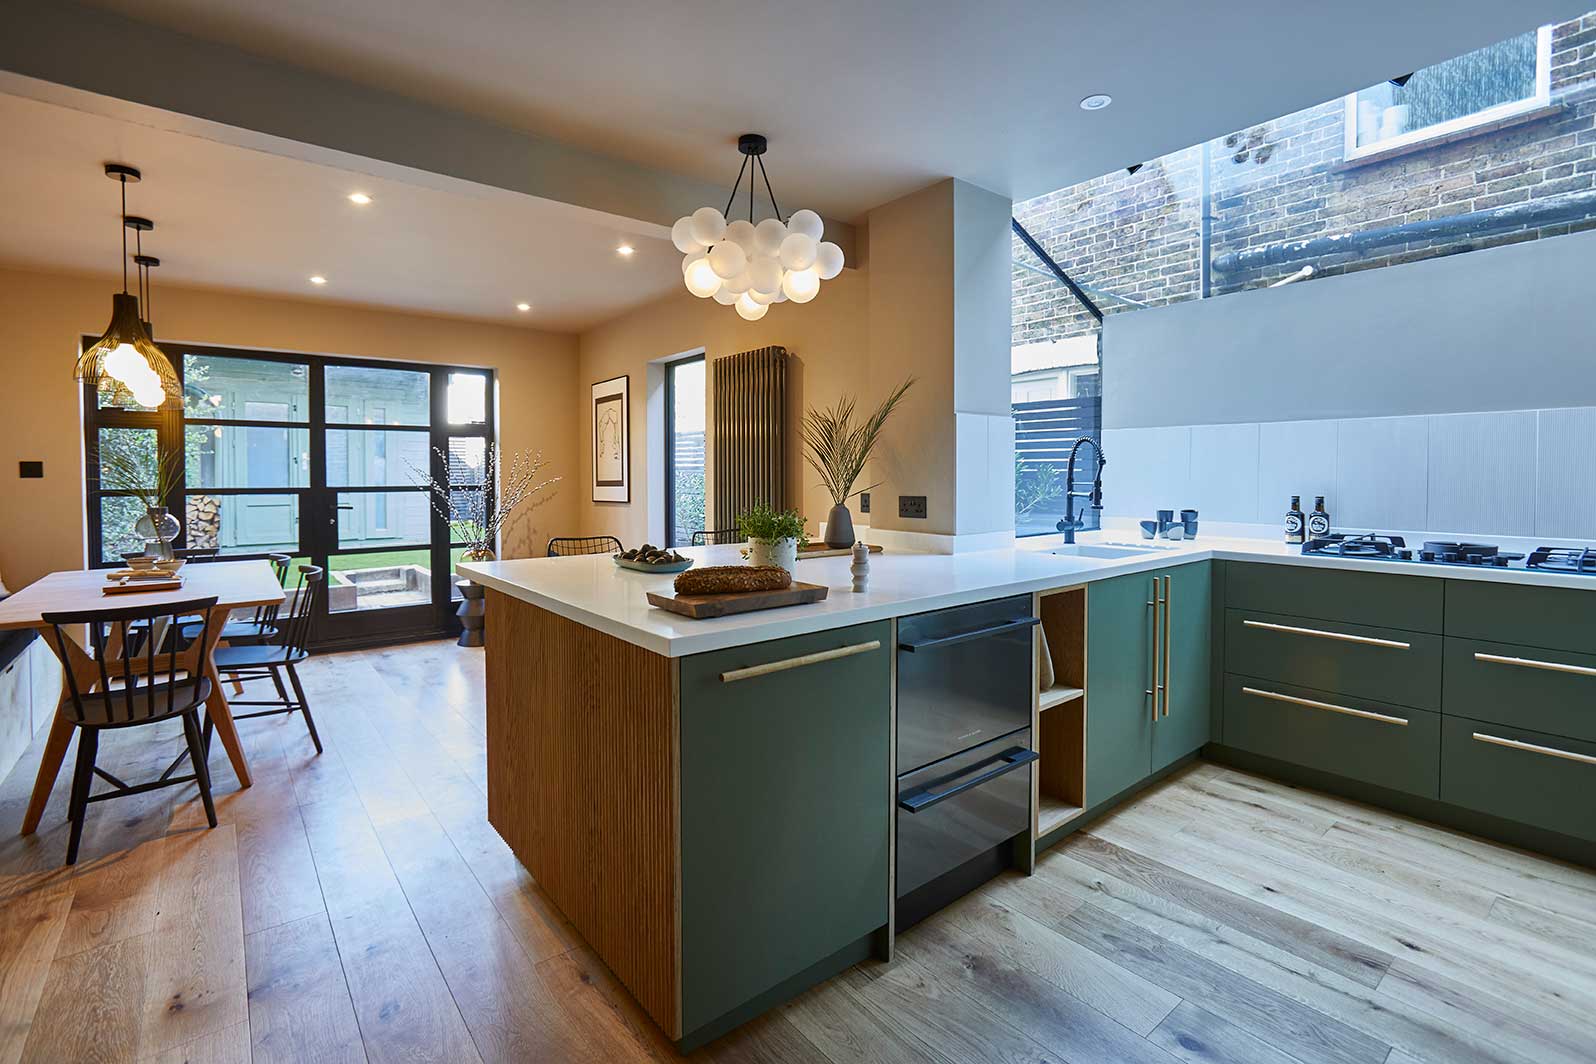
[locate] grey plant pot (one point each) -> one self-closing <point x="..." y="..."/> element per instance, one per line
<point x="839" y="527"/>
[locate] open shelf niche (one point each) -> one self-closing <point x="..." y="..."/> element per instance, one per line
<point x="1061" y="708"/>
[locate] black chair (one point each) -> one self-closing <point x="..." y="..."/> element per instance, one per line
<point x="198" y="554"/>
<point x="721" y="536"/>
<point x="130" y="691"/>
<point x="565" y="546"/>
<point x="263" y="625"/>
<point x="268" y="660"/>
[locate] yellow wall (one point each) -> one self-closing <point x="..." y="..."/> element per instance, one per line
<point x="827" y="338"/>
<point x="42" y="521"/>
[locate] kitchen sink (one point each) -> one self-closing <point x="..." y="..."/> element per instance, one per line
<point x="1105" y="550"/>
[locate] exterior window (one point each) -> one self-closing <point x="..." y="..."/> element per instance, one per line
<point x="684" y="450"/>
<point x="1496" y="82"/>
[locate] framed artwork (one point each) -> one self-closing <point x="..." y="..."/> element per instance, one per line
<point x="612" y="443"/>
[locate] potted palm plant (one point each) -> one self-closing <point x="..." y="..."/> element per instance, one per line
<point x="130" y="463"/>
<point x="773" y="536"/>
<point x="838" y="450"/>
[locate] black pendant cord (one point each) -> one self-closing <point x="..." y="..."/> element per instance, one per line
<point x="735" y="186"/>
<point x="122" y="180"/>
<point x="138" y="259"/>
<point x="768" y="192"/>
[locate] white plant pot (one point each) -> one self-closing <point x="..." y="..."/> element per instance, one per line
<point x="782" y="552"/>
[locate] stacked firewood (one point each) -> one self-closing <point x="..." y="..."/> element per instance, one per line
<point x="204" y="521"/>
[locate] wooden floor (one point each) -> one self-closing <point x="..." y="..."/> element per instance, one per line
<point x="356" y="906"/>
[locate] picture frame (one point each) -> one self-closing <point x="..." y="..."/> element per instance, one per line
<point x="612" y="440"/>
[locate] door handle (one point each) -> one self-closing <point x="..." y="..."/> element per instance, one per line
<point x="1329" y="707"/>
<point x="751" y="671"/>
<point x="1531" y="663"/>
<point x="1532" y="748"/>
<point x="962" y="637"/>
<point x="1156" y="604"/>
<point x="1343" y="637"/>
<point x="922" y="798"/>
<point x="1169" y="629"/>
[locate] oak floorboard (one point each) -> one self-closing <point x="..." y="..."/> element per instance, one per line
<point x="1432" y="1033"/>
<point x="1344" y="956"/>
<point x="1196" y="1035"/>
<point x="1023" y="999"/>
<point x="844" y="1029"/>
<point x="90" y="1008"/>
<point x="603" y="1013"/>
<point x="299" y="1007"/>
<point x="114" y="898"/>
<point x="31" y="926"/>
<point x="1121" y="995"/>
<point x="227" y="1046"/>
<point x="770" y="1039"/>
<point x="1551" y="926"/>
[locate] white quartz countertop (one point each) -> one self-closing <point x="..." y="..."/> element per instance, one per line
<point x="593" y="591"/>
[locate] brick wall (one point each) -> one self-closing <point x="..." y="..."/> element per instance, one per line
<point x="1139" y="236"/>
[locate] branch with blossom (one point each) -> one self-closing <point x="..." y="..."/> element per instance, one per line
<point x="479" y="506"/>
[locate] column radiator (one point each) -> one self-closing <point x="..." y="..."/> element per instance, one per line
<point x="750" y="448"/>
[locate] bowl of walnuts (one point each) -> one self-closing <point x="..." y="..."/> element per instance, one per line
<point x="651" y="559"/>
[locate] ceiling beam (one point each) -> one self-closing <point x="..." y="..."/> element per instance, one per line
<point x="109" y="55"/>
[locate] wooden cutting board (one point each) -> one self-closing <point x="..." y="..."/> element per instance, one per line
<point x="701" y="606"/>
<point x="173" y="583"/>
<point x="820" y="550"/>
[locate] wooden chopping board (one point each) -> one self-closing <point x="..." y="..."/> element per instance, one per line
<point x="820" y="550"/>
<point x="701" y="606"/>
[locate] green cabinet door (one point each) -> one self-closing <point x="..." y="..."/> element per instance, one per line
<point x="1119" y="674"/>
<point x="786" y="798"/>
<point x="1186" y="723"/>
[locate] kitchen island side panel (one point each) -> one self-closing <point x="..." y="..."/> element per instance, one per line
<point x="581" y="786"/>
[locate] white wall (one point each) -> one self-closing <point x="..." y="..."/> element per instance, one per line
<point x="1452" y="395"/>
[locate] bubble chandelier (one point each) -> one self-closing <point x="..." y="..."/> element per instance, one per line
<point x="750" y="265"/>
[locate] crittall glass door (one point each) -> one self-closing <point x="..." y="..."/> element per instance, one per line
<point x="323" y="459"/>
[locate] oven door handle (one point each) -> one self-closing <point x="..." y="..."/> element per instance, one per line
<point x="924" y="798"/>
<point x="961" y="637"/>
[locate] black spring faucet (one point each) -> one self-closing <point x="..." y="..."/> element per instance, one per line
<point x="1071" y="523"/>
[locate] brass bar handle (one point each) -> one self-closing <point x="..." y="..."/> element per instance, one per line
<point x="1328" y="706"/>
<point x="1344" y="637"/>
<point x="799" y="662"/>
<point x="1156" y="604"/>
<point x="1169" y="628"/>
<point x="1549" y="751"/>
<point x="1531" y="663"/>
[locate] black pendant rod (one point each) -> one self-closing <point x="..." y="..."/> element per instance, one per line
<point x="735" y="185"/>
<point x="768" y="192"/>
<point x="121" y="179"/>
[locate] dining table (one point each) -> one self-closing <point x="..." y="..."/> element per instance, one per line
<point x="235" y="584"/>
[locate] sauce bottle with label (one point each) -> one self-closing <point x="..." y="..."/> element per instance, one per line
<point x="1319" y="520"/>
<point x="1295" y="522"/>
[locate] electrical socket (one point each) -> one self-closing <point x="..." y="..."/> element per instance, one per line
<point x="911" y="506"/>
<point x="864" y="502"/>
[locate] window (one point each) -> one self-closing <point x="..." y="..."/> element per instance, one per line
<point x="684" y="450"/>
<point x="1496" y="82"/>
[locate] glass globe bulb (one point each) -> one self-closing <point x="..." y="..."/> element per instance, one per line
<point x="828" y="260"/>
<point x="808" y="223"/>
<point x="701" y="279"/>
<point x="728" y="259"/>
<point x="682" y="236"/>
<point x="708" y="226"/>
<point x="739" y="284"/>
<point x="725" y="296"/>
<point x="748" y="310"/>
<point x="798" y="251"/>
<point x="764" y="275"/>
<point x="124" y="362"/>
<point x="801" y="285"/>
<point x="765" y="298"/>
<point x="692" y="257"/>
<point x="741" y="233"/>
<point x="768" y="236"/>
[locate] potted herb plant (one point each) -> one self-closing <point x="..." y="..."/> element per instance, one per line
<point x="838" y="449"/>
<point x="773" y="536"/>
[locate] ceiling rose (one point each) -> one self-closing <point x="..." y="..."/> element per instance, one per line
<point x="749" y="264"/>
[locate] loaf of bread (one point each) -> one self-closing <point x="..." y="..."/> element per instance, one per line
<point x="724" y="579"/>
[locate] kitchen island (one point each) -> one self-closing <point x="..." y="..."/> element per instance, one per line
<point x="711" y="802"/>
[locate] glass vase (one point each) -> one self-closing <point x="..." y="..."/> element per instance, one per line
<point x="158" y="528"/>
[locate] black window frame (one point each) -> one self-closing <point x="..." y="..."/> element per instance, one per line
<point x="670" y="446"/>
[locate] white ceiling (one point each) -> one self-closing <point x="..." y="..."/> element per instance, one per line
<point x="864" y="101"/>
<point x="233" y="217"/>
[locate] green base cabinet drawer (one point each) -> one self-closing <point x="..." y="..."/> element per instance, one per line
<point x="1389" y="746"/>
<point x="1563" y="618"/>
<point x="1522" y="775"/>
<point x="1550" y="691"/>
<point x="1413" y="603"/>
<point x="1385" y="664"/>
<point x="786" y="803"/>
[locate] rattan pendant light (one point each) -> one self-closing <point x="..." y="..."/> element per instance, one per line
<point x="125" y="355"/>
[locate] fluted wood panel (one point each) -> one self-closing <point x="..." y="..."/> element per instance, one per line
<point x="581" y="785"/>
<point x="750" y="445"/>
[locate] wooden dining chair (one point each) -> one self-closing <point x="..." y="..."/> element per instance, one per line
<point x="710" y="537"/>
<point x="565" y="546"/>
<point x="269" y="659"/>
<point x="137" y="683"/>
<point x="260" y="627"/>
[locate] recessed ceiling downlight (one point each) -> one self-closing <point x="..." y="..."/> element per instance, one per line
<point x="1096" y="101"/>
<point x="359" y="198"/>
<point x="523" y="307"/>
<point x="317" y="279"/>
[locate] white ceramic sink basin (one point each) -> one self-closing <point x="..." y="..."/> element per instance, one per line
<point x="1104" y="550"/>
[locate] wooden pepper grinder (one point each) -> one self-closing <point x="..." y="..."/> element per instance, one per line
<point x="861" y="566"/>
